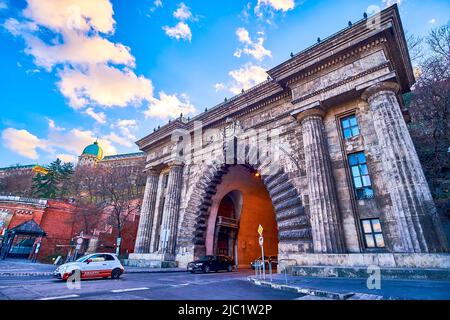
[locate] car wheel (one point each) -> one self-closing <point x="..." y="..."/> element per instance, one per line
<point x="115" y="274"/>
<point x="230" y="268"/>
<point x="206" y="269"/>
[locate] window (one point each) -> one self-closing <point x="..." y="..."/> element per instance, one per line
<point x="166" y="180"/>
<point x="373" y="235"/>
<point x="108" y="257"/>
<point x="360" y="175"/>
<point x="350" y="126"/>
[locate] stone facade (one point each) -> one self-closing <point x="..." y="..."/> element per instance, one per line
<point x="360" y="72"/>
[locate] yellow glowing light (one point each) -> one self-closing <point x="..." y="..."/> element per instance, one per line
<point x="257" y="174"/>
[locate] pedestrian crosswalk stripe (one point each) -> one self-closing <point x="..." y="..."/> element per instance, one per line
<point x="60" y="297"/>
<point x="130" y="289"/>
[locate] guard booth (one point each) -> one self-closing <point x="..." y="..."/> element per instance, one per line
<point x="22" y="241"/>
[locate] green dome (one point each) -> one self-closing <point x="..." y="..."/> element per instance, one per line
<point x="93" y="150"/>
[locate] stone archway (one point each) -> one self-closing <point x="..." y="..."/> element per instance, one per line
<point x="294" y="229"/>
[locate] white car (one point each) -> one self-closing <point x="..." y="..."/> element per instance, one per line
<point x="96" y="265"/>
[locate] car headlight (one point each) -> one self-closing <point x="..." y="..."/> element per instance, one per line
<point x="198" y="264"/>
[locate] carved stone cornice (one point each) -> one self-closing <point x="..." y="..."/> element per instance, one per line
<point x="380" y="87"/>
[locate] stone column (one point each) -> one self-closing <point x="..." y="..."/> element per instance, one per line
<point x="147" y="213"/>
<point x="414" y="212"/>
<point x="172" y="206"/>
<point x="324" y="213"/>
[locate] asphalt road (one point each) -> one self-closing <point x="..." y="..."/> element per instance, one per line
<point x="143" y="286"/>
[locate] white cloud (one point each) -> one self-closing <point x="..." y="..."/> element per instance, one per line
<point x="70" y="143"/>
<point x="79" y="15"/>
<point x="280" y="5"/>
<point x="219" y="87"/>
<point x="126" y="123"/>
<point x="75" y="140"/>
<point x="79" y="49"/>
<point x="100" y="117"/>
<point x="169" y="106"/>
<point x="83" y="57"/>
<point x="22" y="142"/>
<point x="158" y="3"/>
<point x="432" y="21"/>
<point x="251" y="48"/>
<point x="17" y="28"/>
<point x="120" y="140"/>
<point x="52" y="125"/>
<point x="104" y="85"/>
<point x="180" y="31"/>
<point x="389" y="3"/>
<point x="67" y="157"/>
<point x="183" y="12"/>
<point x="277" y="5"/>
<point x="246" y="77"/>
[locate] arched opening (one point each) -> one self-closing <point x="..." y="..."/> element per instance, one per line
<point x="241" y="203"/>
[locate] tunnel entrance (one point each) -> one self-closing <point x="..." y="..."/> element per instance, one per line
<point x="239" y="206"/>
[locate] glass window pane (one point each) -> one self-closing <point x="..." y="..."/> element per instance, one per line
<point x="355" y="131"/>
<point x="353" y="121"/>
<point x="355" y="171"/>
<point x="361" y="157"/>
<point x="368" y="193"/>
<point x="366" y="181"/>
<point x="366" y="226"/>
<point x="376" y="225"/>
<point x="347" y="133"/>
<point x="379" y="240"/>
<point x="345" y="123"/>
<point x="353" y="159"/>
<point x="369" y="241"/>
<point x="364" y="170"/>
<point x="358" y="182"/>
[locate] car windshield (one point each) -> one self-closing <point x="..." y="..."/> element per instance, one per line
<point x="82" y="259"/>
<point x="205" y="258"/>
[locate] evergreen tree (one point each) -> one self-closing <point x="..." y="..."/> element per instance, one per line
<point x="54" y="184"/>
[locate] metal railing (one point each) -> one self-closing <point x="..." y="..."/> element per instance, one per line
<point x="23" y="200"/>
<point x="285" y="267"/>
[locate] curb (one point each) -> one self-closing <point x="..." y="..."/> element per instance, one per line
<point x="154" y="271"/>
<point x="40" y="274"/>
<point x="311" y="292"/>
<point x="25" y="274"/>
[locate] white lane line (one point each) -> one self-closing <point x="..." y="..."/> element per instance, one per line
<point x="61" y="297"/>
<point x="130" y="289"/>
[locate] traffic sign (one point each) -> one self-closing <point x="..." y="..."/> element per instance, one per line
<point x="260" y="230"/>
<point x="261" y="241"/>
<point x="80" y="240"/>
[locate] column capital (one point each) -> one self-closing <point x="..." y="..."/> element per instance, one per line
<point x="175" y="163"/>
<point x="379" y="87"/>
<point x="313" y="112"/>
<point x="151" y="171"/>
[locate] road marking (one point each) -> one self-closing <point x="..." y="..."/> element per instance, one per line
<point x="130" y="289"/>
<point x="61" y="297"/>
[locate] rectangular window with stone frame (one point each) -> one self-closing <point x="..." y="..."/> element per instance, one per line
<point x="350" y="126"/>
<point x="360" y="176"/>
<point x="373" y="234"/>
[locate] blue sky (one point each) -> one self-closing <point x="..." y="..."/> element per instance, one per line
<point x="133" y="65"/>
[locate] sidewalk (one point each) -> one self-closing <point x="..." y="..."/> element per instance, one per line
<point x="20" y="268"/>
<point x="352" y="289"/>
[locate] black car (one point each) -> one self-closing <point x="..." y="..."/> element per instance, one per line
<point x="211" y="263"/>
